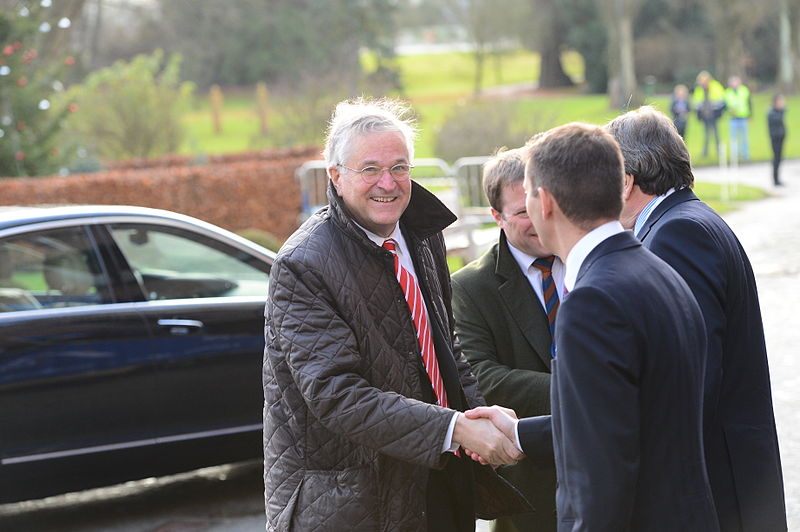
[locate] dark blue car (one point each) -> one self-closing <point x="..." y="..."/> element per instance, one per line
<point x="130" y="346"/>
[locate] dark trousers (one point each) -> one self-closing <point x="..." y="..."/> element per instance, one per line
<point x="710" y="129"/>
<point x="777" y="156"/>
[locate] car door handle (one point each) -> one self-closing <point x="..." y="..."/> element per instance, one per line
<point x="180" y="326"/>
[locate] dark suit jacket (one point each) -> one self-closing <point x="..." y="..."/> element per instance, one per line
<point x="505" y="336"/>
<point x="740" y="439"/>
<point x="627" y="398"/>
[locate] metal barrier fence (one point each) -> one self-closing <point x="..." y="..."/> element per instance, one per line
<point x="459" y="186"/>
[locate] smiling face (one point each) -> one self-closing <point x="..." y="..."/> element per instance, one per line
<point x="375" y="207"/>
<point x="516" y="223"/>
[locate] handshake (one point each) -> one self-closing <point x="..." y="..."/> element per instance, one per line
<point x="488" y="435"/>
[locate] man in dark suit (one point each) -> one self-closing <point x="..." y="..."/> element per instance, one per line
<point x="499" y="303"/>
<point x="741" y="444"/>
<point x="627" y="378"/>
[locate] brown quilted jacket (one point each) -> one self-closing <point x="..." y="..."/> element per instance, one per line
<point x="348" y="441"/>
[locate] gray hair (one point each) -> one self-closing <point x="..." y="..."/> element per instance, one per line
<point x="359" y="116"/>
<point x="505" y="168"/>
<point x="655" y="154"/>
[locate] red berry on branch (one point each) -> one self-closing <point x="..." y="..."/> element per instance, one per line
<point x="22" y="81"/>
<point x="8" y="50"/>
<point x="20" y="155"/>
<point x="69" y="60"/>
<point x="73" y="107"/>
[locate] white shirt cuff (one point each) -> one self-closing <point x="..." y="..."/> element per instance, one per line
<point x="449" y="446"/>
<point x="516" y="435"/>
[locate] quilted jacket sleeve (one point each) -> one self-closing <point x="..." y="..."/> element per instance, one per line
<point x="322" y="353"/>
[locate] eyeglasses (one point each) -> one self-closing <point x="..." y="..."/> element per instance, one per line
<point x="371" y="174"/>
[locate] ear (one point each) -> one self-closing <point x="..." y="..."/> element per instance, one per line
<point x="497" y="217"/>
<point x="333" y="173"/>
<point x="627" y="187"/>
<point x="546" y="202"/>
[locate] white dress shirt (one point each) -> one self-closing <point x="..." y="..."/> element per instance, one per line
<point x="404" y="257"/>
<point x="584" y="246"/>
<point x="534" y="275"/>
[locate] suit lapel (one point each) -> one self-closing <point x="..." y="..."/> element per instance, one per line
<point x="517" y="294"/>
<point x="677" y="197"/>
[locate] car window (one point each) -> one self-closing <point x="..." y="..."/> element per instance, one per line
<point x="172" y="263"/>
<point x="54" y="268"/>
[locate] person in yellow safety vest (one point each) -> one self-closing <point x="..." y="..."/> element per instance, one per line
<point x="739" y="105"/>
<point x="709" y="101"/>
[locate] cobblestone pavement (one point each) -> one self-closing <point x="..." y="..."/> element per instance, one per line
<point x="770" y="233"/>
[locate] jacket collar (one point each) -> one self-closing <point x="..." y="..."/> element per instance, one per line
<point x="425" y="215"/>
<point x="618" y="242"/>
<point x="679" y="196"/>
<point x="506" y="265"/>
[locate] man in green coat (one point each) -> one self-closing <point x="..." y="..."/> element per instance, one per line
<point x="499" y="303"/>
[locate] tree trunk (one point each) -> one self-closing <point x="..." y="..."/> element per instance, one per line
<point x="551" y="73"/>
<point x="623" y="91"/>
<point x="550" y="41"/>
<point x="629" y="87"/>
<point x="480" y="57"/>
<point x="786" y="59"/>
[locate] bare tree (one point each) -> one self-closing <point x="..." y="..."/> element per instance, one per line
<point x="549" y="40"/>
<point x="786" y="75"/>
<point x="731" y="21"/>
<point x="618" y="17"/>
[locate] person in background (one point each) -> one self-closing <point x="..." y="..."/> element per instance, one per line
<point x="363" y="378"/>
<point x="740" y="106"/>
<point x="777" y="132"/>
<point x="505" y="304"/>
<point x="709" y="101"/>
<point x="680" y="108"/>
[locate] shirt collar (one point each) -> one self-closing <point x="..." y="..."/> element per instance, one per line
<point x="397" y="236"/>
<point x="648" y="210"/>
<point x="584" y="246"/>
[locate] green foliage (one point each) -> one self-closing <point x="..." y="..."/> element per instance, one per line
<point x="132" y="109"/>
<point x="31" y="139"/>
<point x="274" y="41"/>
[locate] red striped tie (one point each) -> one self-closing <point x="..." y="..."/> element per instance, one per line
<point x="420" y="316"/>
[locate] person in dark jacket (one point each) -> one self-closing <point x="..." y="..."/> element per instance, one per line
<point x="627" y="376"/>
<point x="741" y="443"/>
<point x="680" y="107"/>
<point x="363" y="378"/>
<point x="777" y="132"/>
<point x="500" y="303"/>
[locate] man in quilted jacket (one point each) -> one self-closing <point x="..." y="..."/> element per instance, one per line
<point x="363" y="379"/>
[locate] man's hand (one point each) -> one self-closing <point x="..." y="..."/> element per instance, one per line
<point x="503" y="418"/>
<point x="484" y="442"/>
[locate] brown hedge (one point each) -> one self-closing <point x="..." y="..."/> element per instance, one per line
<point x="238" y="191"/>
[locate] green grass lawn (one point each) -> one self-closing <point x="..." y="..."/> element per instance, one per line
<point x="437" y="83"/>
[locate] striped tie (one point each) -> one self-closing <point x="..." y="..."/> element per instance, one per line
<point x="545" y="265"/>
<point x="420" y="317"/>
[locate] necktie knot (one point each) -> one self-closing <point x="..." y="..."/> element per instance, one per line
<point x="390" y="245"/>
<point x="545" y="264"/>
